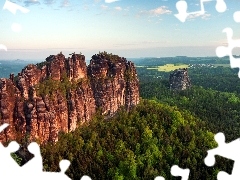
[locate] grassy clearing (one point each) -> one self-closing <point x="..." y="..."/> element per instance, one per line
<point x="169" y="67"/>
<point x="223" y="65"/>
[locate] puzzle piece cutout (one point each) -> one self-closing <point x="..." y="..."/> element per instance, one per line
<point x="5" y="154"/>
<point x="222" y="51"/>
<point x="35" y="164"/>
<point x="236" y="16"/>
<point x="64" y="164"/>
<point x="86" y="178"/>
<point x="227" y="150"/>
<point x="3" y="126"/>
<point x="159" y="178"/>
<point x="3" y="47"/>
<point x="177" y="171"/>
<point x="32" y="169"/>
<point x="12" y="7"/>
<point x="182" y="7"/>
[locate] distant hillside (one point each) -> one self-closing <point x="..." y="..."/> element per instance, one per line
<point x="181" y="59"/>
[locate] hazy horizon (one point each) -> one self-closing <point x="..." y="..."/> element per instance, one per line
<point x="126" y="28"/>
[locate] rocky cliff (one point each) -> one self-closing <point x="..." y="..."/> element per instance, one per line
<point x="179" y="79"/>
<point x="61" y="93"/>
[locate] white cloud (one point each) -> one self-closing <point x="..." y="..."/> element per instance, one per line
<point x="206" y="16"/>
<point x="203" y="16"/>
<point x="118" y="8"/>
<point x="110" y="1"/>
<point x="160" y="10"/>
<point x="156" y="12"/>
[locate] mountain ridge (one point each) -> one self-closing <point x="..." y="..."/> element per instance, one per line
<point x="61" y="93"/>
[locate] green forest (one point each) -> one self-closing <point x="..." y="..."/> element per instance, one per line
<point x="166" y="128"/>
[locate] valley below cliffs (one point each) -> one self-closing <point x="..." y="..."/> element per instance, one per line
<point x="60" y="94"/>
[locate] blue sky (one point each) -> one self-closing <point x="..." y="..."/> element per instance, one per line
<point x="129" y="28"/>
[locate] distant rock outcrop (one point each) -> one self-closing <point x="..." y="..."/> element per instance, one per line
<point x="61" y="93"/>
<point x="179" y="79"/>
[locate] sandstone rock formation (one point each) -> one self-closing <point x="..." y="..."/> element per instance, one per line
<point x="61" y="93"/>
<point x="114" y="81"/>
<point x="179" y="79"/>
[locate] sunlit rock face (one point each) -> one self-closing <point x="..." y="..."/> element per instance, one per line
<point x="179" y="79"/>
<point x="60" y="94"/>
<point x="114" y="82"/>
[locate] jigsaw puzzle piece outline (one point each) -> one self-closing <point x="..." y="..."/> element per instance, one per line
<point x="85" y="177"/>
<point x="177" y="171"/>
<point x="221" y="6"/>
<point x="36" y="163"/>
<point x="33" y="168"/>
<point x="13" y="7"/>
<point x="223" y="176"/>
<point x="3" y="126"/>
<point x="236" y="16"/>
<point x="5" y="152"/>
<point x="222" y="51"/>
<point x="182" y="7"/>
<point x="227" y="150"/>
<point x="3" y="47"/>
<point x="157" y="178"/>
<point x="5" y="156"/>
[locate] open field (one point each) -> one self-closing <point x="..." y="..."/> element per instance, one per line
<point x="223" y="65"/>
<point x="169" y="67"/>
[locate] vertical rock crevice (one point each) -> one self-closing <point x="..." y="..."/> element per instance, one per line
<point x="60" y="94"/>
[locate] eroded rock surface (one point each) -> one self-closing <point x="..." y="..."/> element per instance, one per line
<point x="60" y="94"/>
<point x="179" y="79"/>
